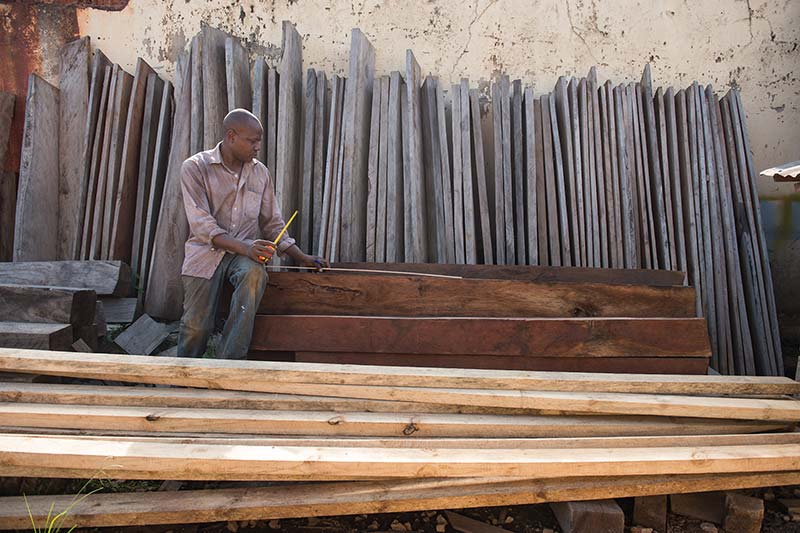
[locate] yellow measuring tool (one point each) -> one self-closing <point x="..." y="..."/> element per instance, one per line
<point x="280" y="235"/>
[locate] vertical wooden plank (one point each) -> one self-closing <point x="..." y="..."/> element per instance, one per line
<point x="164" y="297"/>
<point x="8" y="180"/>
<point x="551" y="187"/>
<point x="685" y="191"/>
<point x="73" y="84"/>
<point x="118" y="153"/>
<point x="542" y="186"/>
<point x="532" y="181"/>
<point x="458" y="177"/>
<point x="754" y="206"/>
<point x="331" y="164"/>
<point x="372" y="173"/>
<point x="197" y="140"/>
<point x="499" y="198"/>
<point x="94" y="122"/>
<point x="613" y="190"/>
<point x="36" y="228"/>
<point x="561" y="94"/>
<point x="646" y="229"/>
<point x="433" y="177"/>
<point x="447" y="183"/>
<point x="215" y="86"/>
<point x="518" y="174"/>
<point x="578" y="167"/>
<point x="470" y="239"/>
<point x="672" y="243"/>
<point x="484" y="227"/>
<point x="415" y="236"/>
<point x="320" y="140"/>
<point x="357" y="109"/>
<point x="273" y="82"/>
<point x="591" y="207"/>
<point x="123" y="219"/>
<point x="624" y="133"/>
<point x="656" y="196"/>
<point x="150" y="123"/>
<point x="156" y="192"/>
<point x="672" y="177"/>
<point x="567" y="257"/>
<point x="336" y="216"/>
<point x="383" y="167"/>
<point x="304" y="231"/>
<point x="259" y="102"/>
<point x="290" y="94"/>
<point x="95" y="166"/>
<point x="8" y="100"/>
<point x="601" y="224"/>
<point x="237" y="70"/>
<point x="508" y="179"/>
<point x="395" y="207"/>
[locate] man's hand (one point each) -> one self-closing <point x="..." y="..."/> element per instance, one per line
<point x="261" y="251"/>
<point x="314" y="262"/>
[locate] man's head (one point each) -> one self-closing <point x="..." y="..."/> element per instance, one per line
<point x="242" y="134"/>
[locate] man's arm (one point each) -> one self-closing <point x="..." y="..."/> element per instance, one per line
<point x="259" y="251"/>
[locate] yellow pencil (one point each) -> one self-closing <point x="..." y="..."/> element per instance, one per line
<point x="280" y="235"/>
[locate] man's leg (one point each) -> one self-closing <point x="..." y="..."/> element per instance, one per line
<point x="249" y="279"/>
<point x="200" y="298"/>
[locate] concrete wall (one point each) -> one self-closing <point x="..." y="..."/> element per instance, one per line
<point x="752" y="44"/>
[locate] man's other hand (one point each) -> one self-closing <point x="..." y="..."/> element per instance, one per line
<point x="261" y="251"/>
<point x="315" y="262"/>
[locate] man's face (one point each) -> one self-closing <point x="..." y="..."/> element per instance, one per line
<point x="244" y="141"/>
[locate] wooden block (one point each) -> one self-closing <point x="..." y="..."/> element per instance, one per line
<point x="651" y="511"/>
<point x="124" y="215"/>
<point x="374" y="295"/>
<point x="105" y="278"/>
<point x="790" y="505"/>
<point x="708" y="506"/>
<point x="81" y="346"/>
<point x="164" y="297"/>
<point x="237" y="69"/>
<point x="468" y="525"/>
<point x="143" y="336"/>
<point x="743" y="514"/>
<point x="170" y="352"/>
<point x="36" y="336"/>
<point x="7" y="101"/>
<point x="36" y="229"/>
<point x="100" y="319"/>
<point x="119" y="310"/>
<point x="48" y="304"/>
<point x="355" y="137"/>
<point x="101" y="74"/>
<point x="599" y="516"/>
<point x="607" y="337"/>
<point x="415" y="223"/>
<point x="73" y="84"/>
<point x="290" y="95"/>
<point x="126" y="92"/>
<point x="8" y="209"/>
<point x="148" y="159"/>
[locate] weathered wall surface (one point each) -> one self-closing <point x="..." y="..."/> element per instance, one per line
<point x="754" y="44"/>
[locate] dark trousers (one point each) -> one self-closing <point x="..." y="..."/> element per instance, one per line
<point x="200" y="299"/>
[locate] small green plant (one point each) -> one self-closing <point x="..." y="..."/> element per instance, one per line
<point x="53" y="523"/>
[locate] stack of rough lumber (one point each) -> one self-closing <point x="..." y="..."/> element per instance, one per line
<point x="492" y="317"/>
<point x="51" y="305"/>
<point x="384" y="438"/>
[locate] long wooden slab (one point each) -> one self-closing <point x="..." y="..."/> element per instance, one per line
<point x="73" y="85"/>
<point x="415" y="235"/>
<point x="376" y="295"/>
<point x="36" y="229"/>
<point x="214" y="90"/>
<point x="625" y="365"/>
<point x="166" y="420"/>
<point x="535" y="273"/>
<point x="524" y="337"/>
<point x="35" y="336"/>
<point x="290" y="94"/>
<point x="47" y="304"/>
<point x="120" y="460"/>
<point x="237" y="69"/>
<point x="328" y="499"/>
<point x="105" y="278"/>
<point x="254" y="375"/>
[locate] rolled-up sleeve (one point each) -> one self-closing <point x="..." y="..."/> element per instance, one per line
<point x="195" y="201"/>
<point x="271" y="220"/>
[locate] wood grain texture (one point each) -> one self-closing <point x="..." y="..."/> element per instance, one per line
<point x="30" y="303"/>
<point x="73" y="122"/>
<point x="375" y="295"/>
<point x="395" y="205"/>
<point x="214" y="85"/>
<point x="237" y="75"/>
<point x="106" y="278"/>
<point x="290" y="94"/>
<point x="38" y="336"/>
<point x="414" y="220"/>
<point x="36" y="229"/>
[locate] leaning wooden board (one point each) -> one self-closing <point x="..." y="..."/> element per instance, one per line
<point x="523" y="337"/>
<point x="377" y="295"/>
<point x="106" y="278"/>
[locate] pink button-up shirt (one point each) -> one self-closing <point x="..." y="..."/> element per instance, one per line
<point x="219" y="201"/>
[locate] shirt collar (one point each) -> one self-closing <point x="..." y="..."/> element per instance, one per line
<point x="215" y="156"/>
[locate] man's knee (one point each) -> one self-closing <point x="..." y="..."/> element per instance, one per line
<point x="253" y="277"/>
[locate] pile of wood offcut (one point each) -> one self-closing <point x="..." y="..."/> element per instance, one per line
<point x="345" y="439"/>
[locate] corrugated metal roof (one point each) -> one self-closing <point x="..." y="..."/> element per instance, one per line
<point x="785" y="172"/>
